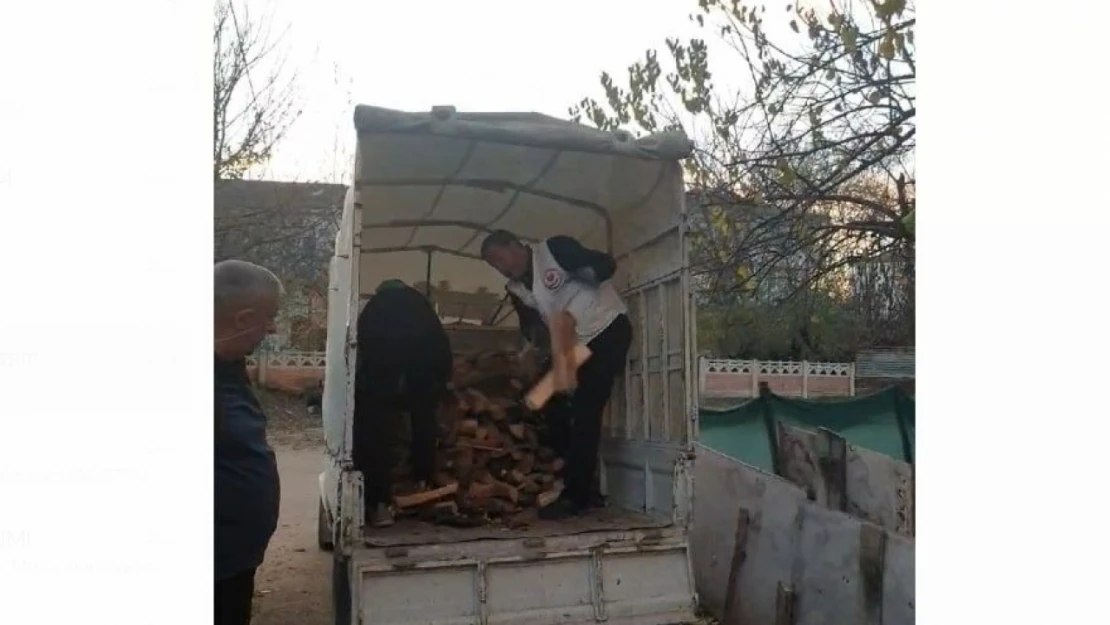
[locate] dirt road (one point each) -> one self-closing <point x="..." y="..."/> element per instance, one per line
<point x="293" y="586"/>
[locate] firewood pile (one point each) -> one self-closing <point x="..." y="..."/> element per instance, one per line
<point x="492" y="467"/>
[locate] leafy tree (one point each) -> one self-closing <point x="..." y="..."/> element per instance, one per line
<point x="805" y="133"/>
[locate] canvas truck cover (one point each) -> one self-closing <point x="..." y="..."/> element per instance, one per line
<point x="433" y="184"/>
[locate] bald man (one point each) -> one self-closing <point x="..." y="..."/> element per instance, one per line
<point x="404" y="363"/>
<point x="560" y="275"/>
<point x="247" y="298"/>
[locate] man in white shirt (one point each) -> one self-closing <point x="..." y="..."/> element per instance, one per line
<point x="560" y="275"/>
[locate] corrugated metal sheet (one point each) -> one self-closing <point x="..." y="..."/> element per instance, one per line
<point x="886" y="362"/>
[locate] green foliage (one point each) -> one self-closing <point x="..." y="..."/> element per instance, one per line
<point x="822" y="330"/>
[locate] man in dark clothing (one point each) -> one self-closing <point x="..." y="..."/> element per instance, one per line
<point x="404" y="364"/>
<point x="555" y="276"/>
<point x="247" y="488"/>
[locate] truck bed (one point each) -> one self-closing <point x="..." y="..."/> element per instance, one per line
<point x="414" y="532"/>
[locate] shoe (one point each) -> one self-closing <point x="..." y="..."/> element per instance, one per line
<point x="381" y="516"/>
<point x="560" y="509"/>
<point x="597" y="500"/>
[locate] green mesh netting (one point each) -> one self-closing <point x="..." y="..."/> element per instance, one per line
<point x="882" y="422"/>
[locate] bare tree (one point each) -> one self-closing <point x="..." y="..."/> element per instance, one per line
<point x="289" y="227"/>
<point x="829" y="121"/>
<point x="254" y="100"/>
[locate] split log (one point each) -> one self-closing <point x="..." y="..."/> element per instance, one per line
<point x="548" y="385"/>
<point x="491" y="465"/>
<point x="427" y="496"/>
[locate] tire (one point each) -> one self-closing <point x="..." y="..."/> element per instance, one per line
<point x="323" y="529"/>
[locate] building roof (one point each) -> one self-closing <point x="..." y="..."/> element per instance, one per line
<point x="272" y="194"/>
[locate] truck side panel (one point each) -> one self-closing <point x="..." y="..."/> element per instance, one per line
<point x="630" y="578"/>
<point x="650" y="419"/>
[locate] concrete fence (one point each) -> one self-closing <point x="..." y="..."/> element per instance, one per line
<point x="293" y="372"/>
<point x="717" y="377"/>
<point x="720" y="377"/>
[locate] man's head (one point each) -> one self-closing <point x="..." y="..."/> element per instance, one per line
<point x="506" y="253"/>
<point x="391" y="285"/>
<point x="247" y="297"/>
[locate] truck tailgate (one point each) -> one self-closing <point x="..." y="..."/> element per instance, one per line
<point x="623" y="577"/>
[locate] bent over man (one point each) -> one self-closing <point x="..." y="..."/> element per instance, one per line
<point x="247" y="487"/>
<point x="560" y="275"/>
<point x="404" y="364"/>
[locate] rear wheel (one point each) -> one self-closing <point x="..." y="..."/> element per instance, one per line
<point x="323" y="529"/>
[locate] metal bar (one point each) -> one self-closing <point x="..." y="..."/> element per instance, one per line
<point x="665" y="360"/>
<point x="598" y="586"/>
<point x="739" y="555"/>
<point x="443" y="187"/>
<point x="646" y="413"/>
<point x="491" y="184"/>
<point x="428" y="275"/>
<point x="500" y="305"/>
<point x="483" y="595"/>
<point x="651" y="241"/>
<point x="418" y="223"/>
<point x="512" y="201"/>
<point x="434" y="248"/>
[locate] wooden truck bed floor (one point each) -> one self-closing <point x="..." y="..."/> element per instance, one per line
<point x="413" y="532"/>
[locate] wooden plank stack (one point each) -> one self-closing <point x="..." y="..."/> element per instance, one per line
<point x="492" y="467"/>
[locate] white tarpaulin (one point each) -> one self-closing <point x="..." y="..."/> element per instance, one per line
<point x="437" y="182"/>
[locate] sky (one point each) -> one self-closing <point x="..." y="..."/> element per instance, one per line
<point x="481" y="55"/>
<point x="491" y="55"/>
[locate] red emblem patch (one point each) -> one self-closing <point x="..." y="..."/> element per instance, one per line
<point x="552" y="279"/>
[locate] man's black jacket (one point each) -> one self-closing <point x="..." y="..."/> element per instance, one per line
<point x="247" y="486"/>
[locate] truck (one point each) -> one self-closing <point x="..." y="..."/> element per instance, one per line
<point x="426" y="187"/>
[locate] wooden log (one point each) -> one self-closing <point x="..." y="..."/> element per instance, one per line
<point x="563" y="340"/>
<point x="549" y="496"/>
<point x="446" y="507"/>
<point x="546" y="388"/>
<point x="739" y="555"/>
<point x="505" y="491"/>
<point x="526" y="464"/>
<point x="428" y="496"/>
<point x="489" y="451"/>
<point x="872" y="565"/>
<point x="480" y="490"/>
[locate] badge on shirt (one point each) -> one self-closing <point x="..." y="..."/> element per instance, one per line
<point x="553" y="279"/>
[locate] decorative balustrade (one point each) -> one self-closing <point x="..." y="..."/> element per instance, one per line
<point x="287" y="370"/>
<point x="722" y="377"/>
<point x="718" y="377"/>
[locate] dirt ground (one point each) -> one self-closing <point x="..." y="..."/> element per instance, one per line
<point x="293" y="586"/>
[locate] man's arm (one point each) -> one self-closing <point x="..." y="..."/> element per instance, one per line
<point x="577" y="259"/>
<point x="531" y="324"/>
